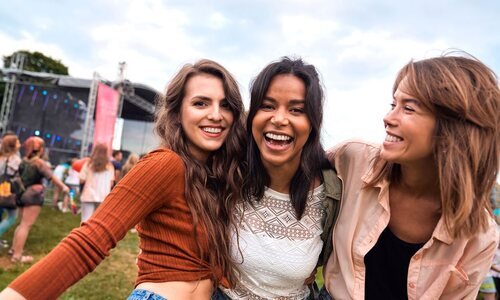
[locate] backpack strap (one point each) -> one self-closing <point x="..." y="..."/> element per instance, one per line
<point x="6" y="164"/>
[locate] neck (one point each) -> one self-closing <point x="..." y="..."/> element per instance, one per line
<point x="420" y="179"/>
<point x="280" y="178"/>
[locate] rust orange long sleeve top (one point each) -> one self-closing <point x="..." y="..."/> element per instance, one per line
<point x="152" y="196"/>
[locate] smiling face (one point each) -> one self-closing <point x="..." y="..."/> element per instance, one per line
<point x="410" y="130"/>
<point x="205" y="115"/>
<point x="281" y="127"/>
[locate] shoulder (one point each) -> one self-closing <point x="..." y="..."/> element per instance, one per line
<point x="162" y="154"/>
<point x="161" y="160"/>
<point x="353" y="149"/>
<point x="116" y="164"/>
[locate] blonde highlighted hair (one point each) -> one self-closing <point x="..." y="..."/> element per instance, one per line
<point x="464" y="96"/>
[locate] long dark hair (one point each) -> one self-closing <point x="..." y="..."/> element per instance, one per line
<point x="211" y="188"/>
<point x="313" y="154"/>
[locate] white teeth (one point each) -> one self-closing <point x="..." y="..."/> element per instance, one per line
<point x="212" y="129"/>
<point x="278" y="137"/>
<point x="391" y="138"/>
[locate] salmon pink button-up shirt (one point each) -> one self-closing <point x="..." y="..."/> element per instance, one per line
<point x="444" y="268"/>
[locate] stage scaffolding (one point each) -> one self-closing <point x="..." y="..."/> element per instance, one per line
<point x="12" y="77"/>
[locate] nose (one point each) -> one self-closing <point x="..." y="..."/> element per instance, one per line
<point x="279" y="118"/>
<point x="391" y="118"/>
<point x="215" y="113"/>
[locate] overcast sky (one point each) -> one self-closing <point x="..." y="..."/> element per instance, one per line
<point x="357" y="45"/>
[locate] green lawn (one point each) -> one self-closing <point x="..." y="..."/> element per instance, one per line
<point x="113" y="279"/>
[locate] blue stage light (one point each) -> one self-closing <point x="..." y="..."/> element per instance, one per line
<point x="47" y="135"/>
<point x="58" y="138"/>
<point x="75" y="105"/>
<point x="44" y="92"/>
<point x="65" y="100"/>
<point x="37" y="132"/>
<point x="32" y="88"/>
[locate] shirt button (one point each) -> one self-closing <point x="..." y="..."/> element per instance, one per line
<point x="411" y="285"/>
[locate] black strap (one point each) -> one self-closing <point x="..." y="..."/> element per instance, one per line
<point x="5" y="169"/>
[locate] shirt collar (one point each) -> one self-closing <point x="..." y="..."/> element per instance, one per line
<point x="440" y="233"/>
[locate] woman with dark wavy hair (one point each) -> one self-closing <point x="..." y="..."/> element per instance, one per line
<point x="287" y="189"/>
<point x="181" y="196"/>
<point x="416" y="221"/>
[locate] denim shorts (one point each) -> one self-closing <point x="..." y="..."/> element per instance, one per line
<point x="138" y="294"/>
<point x="219" y="295"/>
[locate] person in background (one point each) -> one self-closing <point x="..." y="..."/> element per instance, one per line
<point x="116" y="160"/>
<point x="129" y="164"/>
<point x="9" y="163"/>
<point x="416" y="221"/>
<point x="97" y="176"/>
<point x="61" y="171"/>
<point x="32" y="170"/>
<point x="72" y="180"/>
<point x="182" y="195"/>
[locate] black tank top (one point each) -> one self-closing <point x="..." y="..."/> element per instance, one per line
<point x="387" y="267"/>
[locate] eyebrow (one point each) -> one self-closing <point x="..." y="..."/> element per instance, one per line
<point x="201" y="97"/>
<point x="292" y="101"/>
<point x="409" y="100"/>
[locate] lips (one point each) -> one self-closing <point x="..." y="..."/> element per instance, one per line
<point x="212" y="131"/>
<point x="277" y="141"/>
<point x="393" y="138"/>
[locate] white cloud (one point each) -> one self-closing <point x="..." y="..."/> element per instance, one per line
<point x="31" y="43"/>
<point x="217" y="20"/>
<point x="306" y="30"/>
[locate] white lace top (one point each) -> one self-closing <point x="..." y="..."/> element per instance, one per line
<point x="279" y="251"/>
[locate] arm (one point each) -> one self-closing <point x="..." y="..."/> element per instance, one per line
<point x="145" y="190"/>
<point x="83" y="173"/>
<point x="476" y="264"/>
<point x="10" y="294"/>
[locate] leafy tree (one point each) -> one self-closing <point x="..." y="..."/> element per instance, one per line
<point x="38" y="62"/>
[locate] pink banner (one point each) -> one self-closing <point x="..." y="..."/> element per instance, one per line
<point x="105" y="116"/>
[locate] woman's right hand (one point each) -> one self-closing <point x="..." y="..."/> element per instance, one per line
<point x="10" y="294"/>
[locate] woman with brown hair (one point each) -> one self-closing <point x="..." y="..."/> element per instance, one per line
<point x="98" y="175"/>
<point x="9" y="164"/>
<point x="181" y="196"/>
<point x="415" y="221"/>
<point x="32" y="169"/>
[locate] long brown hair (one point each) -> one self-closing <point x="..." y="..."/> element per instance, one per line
<point x="99" y="158"/>
<point x="214" y="186"/>
<point x="463" y="94"/>
<point x="9" y="145"/>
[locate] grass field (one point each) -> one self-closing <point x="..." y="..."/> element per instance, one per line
<point x="113" y="278"/>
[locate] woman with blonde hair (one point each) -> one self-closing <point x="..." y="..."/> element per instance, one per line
<point x="97" y="175"/>
<point x="129" y="164"/>
<point x="181" y="195"/>
<point x="415" y="221"/>
<point x="32" y="169"/>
